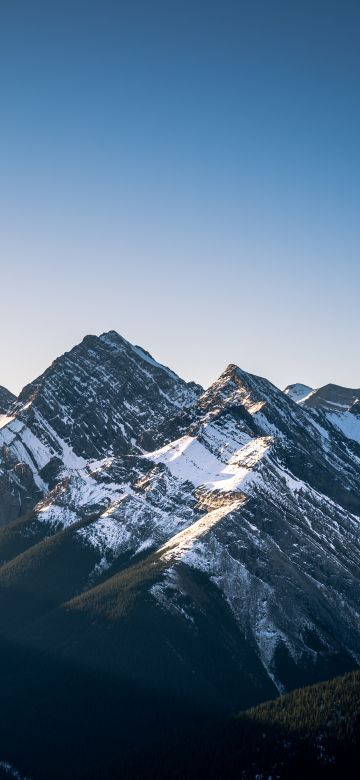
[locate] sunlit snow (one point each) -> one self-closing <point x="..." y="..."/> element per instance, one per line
<point x="190" y="461"/>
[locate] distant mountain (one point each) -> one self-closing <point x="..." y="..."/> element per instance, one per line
<point x="333" y="398"/>
<point x="196" y="549"/>
<point x="340" y="405"/>
<point x="298" y="392"/>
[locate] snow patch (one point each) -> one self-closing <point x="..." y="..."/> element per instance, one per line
<point x="298" y="392"/>
<point x="190" y="461"/>
<point x="347" y="423"/>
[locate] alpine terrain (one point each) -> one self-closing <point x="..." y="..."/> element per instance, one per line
<point x="169" y="555"/>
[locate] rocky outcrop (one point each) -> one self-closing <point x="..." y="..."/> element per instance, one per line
<point x="6" y="400"/>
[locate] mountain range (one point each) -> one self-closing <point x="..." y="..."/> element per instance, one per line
<point x="168" y="553"/>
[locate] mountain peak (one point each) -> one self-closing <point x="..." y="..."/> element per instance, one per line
<point x="113" y="337"/>
<point x="298" y="391"/>
<point x="247" y="388"/>
<point x="102" y="396"/>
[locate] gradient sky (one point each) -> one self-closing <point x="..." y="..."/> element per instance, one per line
<point x="186" y="173"/>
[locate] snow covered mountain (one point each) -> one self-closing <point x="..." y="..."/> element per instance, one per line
<point x="340" y="405"/>
<point x="223" y="524"/>
<point x="101" y="398"/>
<point x="298" y="391"/>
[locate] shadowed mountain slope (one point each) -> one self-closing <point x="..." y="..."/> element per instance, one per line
<point x="6" y="400"/>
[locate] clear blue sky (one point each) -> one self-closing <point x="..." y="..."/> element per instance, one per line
<point x="186" y="173"/>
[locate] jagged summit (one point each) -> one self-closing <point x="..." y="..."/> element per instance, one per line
<point x="272" y="411"/>
<point x="235" y="385"/>
<point x="102" y="396"/>
<point x="298" y="391"/>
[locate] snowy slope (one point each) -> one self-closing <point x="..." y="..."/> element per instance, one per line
<point x="348" y="421"/>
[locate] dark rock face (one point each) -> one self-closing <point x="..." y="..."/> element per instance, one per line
<point x="18" y="490"/>
<point x="6" y="400"/>
<point x="332" y="398"/>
